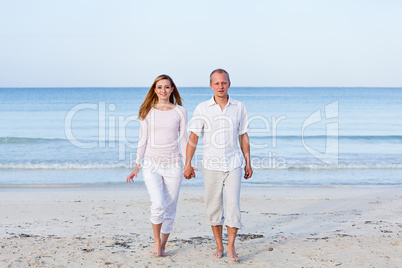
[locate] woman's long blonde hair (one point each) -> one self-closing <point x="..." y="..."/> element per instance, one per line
<point x="151" y="99"/>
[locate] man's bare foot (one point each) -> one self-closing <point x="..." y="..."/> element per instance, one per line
<point x="232" y="255"/>
<point x="218" y="254"/>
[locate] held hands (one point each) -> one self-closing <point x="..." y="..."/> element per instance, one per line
<point x="133" y="174"/>
<point x="189" y="172"/>
<point x="248" y="172"/>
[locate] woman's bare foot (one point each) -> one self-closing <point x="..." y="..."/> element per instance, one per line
<point x="163" y="254"/>
<point x="158" y="252"/>
<point x="218" y="254"/>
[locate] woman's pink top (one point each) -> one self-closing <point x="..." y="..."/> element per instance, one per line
<point x="160" y="134"/>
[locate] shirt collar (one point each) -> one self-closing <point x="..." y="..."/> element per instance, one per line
<point x="212" y="101"/>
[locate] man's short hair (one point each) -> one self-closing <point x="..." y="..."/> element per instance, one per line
<point x="221" y="71"/>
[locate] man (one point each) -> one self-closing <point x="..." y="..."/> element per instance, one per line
<point x="221" y="121"/>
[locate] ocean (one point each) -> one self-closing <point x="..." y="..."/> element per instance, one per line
<point x="299" y="136"/>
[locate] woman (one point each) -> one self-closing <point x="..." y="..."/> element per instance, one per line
<point x="163" y="124"/>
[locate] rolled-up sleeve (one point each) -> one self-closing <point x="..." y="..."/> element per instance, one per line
<point x="243" y="123"/>
<point x="197" y="122"/>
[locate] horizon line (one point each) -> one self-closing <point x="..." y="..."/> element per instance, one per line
<point x="88" y="87"/>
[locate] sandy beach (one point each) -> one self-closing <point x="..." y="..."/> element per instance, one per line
<point x="282" y="227"/>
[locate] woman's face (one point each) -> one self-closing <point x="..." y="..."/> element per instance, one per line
<point x="163" y="89"/>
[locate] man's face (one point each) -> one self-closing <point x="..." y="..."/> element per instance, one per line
<point x="220" y="85"/>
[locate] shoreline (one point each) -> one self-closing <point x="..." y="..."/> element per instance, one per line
<point x="122" y="186"/>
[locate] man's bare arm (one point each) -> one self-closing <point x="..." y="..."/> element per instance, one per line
<point x="190" y="150"/>
<point x="245" y="148"/>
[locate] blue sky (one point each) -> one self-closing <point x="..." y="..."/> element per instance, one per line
<point x="261" y="43"/>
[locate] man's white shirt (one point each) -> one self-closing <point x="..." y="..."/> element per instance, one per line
<point x="220" y="130"/>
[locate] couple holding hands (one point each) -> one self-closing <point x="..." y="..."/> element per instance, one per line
<point x="223" y="124"/>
